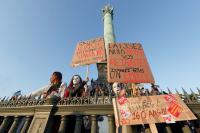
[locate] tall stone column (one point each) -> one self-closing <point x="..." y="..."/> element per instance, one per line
<point x="109" y="37"/>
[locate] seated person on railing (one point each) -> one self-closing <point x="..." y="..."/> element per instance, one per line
<point x="147" y="93"/>
<point x="77" y="87"/>
<point x="99" y="88"/>
<point x="154" y="89"/>
<point x="118" y="89"/>
<point x="136" y="91"/>
<point x="16" y="95"/>
<point x="55" y="88"/>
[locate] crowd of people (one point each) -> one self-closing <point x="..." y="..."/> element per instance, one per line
<point x="78" y="87"/>
<point x="81" y="88"/>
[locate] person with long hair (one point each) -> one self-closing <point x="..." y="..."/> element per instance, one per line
<point x="76" y="87"/>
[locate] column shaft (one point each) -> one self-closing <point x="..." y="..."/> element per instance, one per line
<point x="109" y="37"/>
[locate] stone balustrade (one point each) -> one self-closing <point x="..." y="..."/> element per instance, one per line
<point x="54" y="115"/>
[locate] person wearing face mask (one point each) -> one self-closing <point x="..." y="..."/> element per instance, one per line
<point x="55" y="88"/>
<point x="76" y="87"/>
<point x="118" y="89"/>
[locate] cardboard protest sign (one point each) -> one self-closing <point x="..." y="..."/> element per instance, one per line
<point x="89" y="52"/>
<point x="127" y="64"/>
<point x="150" y="109"/>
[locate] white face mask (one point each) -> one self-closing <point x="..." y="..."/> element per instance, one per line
<point x="116" y="88"/>
<point x="76" y="80"/>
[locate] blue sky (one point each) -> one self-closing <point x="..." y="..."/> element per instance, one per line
<point x="38" y="37"/>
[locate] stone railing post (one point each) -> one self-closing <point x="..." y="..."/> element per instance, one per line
<point x="147" y="130"/>
<point x="5" y="124"/>
<point x="168" y="129"/>
<point x="94" y="124"/>
<point x="78" y="125"/>
<point x="63" y="124"/>
<point x="26" y="124"/>
<point x="111" y="124"/>
<point x="1" y="120"/>
<point x="14" y="124"/>
<point x="127" y="129"/>
<point x="186" y="128"/>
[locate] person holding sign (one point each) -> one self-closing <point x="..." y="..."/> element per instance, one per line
<point x="118" y="89"/>
<point x="77" y="87"/>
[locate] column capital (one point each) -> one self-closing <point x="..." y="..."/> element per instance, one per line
<point x="108" y="9"/>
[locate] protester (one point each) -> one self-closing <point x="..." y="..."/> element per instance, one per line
<point x="118" y="89"/>
<point x="77" y="87"/>
<point x="154" y="90"/>
<point x="55" y="88"/>
<point x="16" y="95"/>
<point x="87" y="124"/>
<point x="147" y="93"/>
<point x="136" y="91"/>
